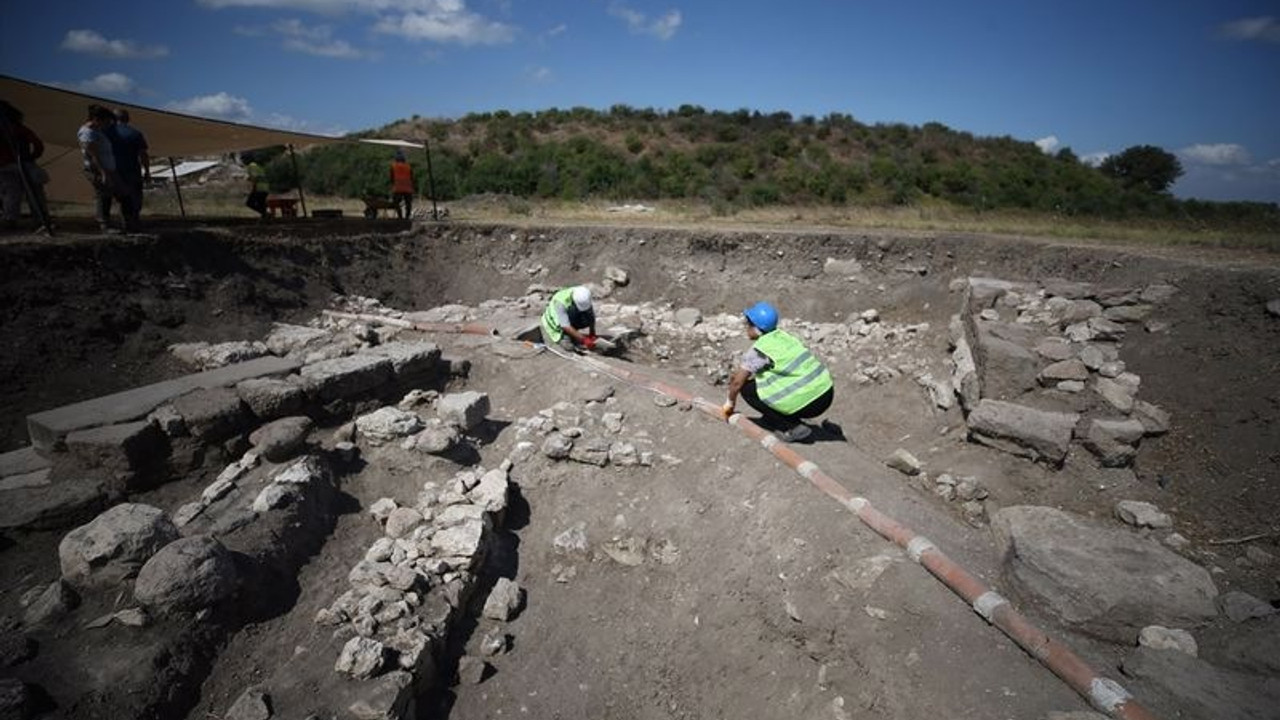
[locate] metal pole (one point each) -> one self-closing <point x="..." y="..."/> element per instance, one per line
<point x="297" y="179"/>
<point x="177" y="188"/>
<point x="431" y="180"/>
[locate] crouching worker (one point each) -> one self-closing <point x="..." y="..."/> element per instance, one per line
<point x="779" y="377"/>
<point x="569" y="320"/>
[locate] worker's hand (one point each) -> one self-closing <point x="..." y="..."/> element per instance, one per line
<point x="589" y="342"/>
<point x="726" y="410"/>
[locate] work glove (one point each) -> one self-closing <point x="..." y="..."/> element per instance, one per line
<point x="589" y="342"/>
<point x="726" y="410"/>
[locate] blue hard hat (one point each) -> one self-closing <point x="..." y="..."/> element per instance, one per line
<point x="762" y="315"/>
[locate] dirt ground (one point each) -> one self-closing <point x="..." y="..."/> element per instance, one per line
<point x="754" y="594"/>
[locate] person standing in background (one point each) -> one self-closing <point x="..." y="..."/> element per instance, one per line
<point x="132" y="166"/>
<point x="402" y="187"/>
<point x="20" y="147"/>
<point x="257" y="200"/>
<point x="99" y="163"/>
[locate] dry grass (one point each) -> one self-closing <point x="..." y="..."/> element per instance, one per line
<point x="222" y="200"/>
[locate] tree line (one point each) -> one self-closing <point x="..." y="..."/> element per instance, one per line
<point x="742" y="159"/>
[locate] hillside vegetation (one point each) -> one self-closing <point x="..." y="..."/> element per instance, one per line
<point x="745" y="159"/>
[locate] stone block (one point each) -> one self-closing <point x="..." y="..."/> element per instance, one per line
<point x="1022" y="430"/>
<point x="1063" y="371"/>
<point x="21" y="462"/>
<point x="345" y="377"/>
<point x="212" y="414"/>
<point x="285" y="339"/>
<point x="52" y="507"/>
<point x="411" y="361"/>
<point x="271" y="398"/>
<point x="465" y="409"/>
<point x="1104" y="580"/>
<point x="48" y="429"/>
<point x="1006" y="369"/>
<point x="129" y="455"/>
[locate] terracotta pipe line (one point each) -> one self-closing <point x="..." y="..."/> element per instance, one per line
<point x="1103" y="693"/>
<point x="460" y="328"/>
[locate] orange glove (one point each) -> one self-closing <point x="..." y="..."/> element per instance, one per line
<point x="589" y="342"/>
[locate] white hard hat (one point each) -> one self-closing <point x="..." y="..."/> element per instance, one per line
<point x="582" y="297"/>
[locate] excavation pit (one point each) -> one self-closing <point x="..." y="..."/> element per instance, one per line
<point x="664" y="566"/>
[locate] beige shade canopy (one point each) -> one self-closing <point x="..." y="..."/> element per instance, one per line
<point x="55" y="115"/>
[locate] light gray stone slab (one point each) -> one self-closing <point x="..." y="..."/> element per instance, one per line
<point x="50" y="427"/>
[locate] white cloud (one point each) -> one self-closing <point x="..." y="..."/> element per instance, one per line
<point x="1266" y="29"/>
<point x="1095" y="159"/>
<point x="1216" y="154"/>
<point x="557" y="30"/>
<point x="220" y="106"/>
<point x="315" y="40"/>
<point x="442" y="21"/>
<point x="448" y="22"/>
<point x="540" y="74"/>
<point x="663" y="28"/>
<point x="1048" y="144"/>
<point x="286" y="122"/>
<point x="93" y="43"/>
<point x="105" y="84"/>
<point x="333" y="7"/>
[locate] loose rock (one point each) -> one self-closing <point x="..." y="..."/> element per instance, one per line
<point x="361" y="658"/>
<point x="281" y="439"/>
<point x="1157" y="637"/>
<point x="1241" y="606"/>
<point x="1142" y="514"/>
<point x="504" y="600"/>
<point x="189" y="574"/>
<point x="114" y="546"/>
<point x="253" y="704"/>
<point x="904" y="462"/>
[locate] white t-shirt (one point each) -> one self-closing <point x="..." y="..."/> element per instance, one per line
<point x="754" y="361"/>
<point x="96" y="143"/>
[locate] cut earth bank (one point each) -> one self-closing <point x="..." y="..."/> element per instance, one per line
<point x="712" y="581"/>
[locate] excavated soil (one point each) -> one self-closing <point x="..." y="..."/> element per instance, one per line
<point x="749" y="599"/>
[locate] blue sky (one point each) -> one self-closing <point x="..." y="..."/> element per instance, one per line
<point x="1197" y="78"/>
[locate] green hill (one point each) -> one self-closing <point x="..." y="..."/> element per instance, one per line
<point x="745" y="159"/>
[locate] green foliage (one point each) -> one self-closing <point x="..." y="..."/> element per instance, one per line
<point x="1143" y="166"/>
<point x="748" y="158"/>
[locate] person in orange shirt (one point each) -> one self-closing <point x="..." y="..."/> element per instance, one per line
<point x="402" y="186"/>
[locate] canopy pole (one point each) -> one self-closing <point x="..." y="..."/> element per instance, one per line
<point x="431" y="180"/>
<point x="177" y="188"/>
<point x="297" y="179"/>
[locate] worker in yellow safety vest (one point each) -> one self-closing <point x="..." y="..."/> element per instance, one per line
<point x="779" y="377"/>
<point x="567" y="316"/>
<point x="402" y="188"/>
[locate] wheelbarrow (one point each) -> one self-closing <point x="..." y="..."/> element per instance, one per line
<point x="373" y="204"/>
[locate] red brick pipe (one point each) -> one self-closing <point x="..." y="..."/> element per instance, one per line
<point x="1103" y="693"/>
<point x="461" y="328"/>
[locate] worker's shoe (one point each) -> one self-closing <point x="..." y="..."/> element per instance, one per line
<point x="798" y="433"/>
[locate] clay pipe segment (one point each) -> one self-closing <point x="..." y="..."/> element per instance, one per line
<point x="1104" y="694"/>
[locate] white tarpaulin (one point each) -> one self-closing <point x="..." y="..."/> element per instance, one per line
<point x="188" y="167"/>
<point x="55" y="115"/>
